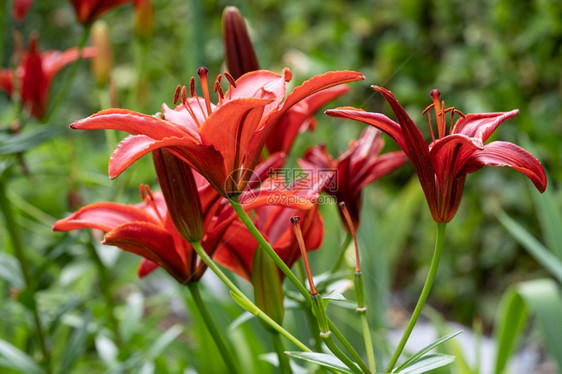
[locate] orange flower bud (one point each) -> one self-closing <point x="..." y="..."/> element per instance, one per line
<point x="144" y="18"/>
<point x="102" y="63"/>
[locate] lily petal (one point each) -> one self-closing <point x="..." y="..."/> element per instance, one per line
<point x="146" y="267"/>
<point x="508" y="154"/>
<point x="149" y="241"/>
<point x="416" y="148"/>
<point x="481" y="125"/>
<point x="449" y="154"/>
<point x="132" y="122"/>
<point x="103" y="216"/>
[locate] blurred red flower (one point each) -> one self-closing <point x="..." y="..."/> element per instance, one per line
<point x="88" y="11"/>
<point x="34" y="75"/>
<point x="360" y="165"/>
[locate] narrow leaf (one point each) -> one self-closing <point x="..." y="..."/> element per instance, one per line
<point x="244" y="304"/>
<point x="322" y="359"/>
<point x="533" y="246"/>
<point x="415" y="357"/>
<point x="10" y="144"/>
<point x="17" y="359"/>
<point x="75" y="347"/>
<point x="163" y="341"/>
<point x="427" y="363"/>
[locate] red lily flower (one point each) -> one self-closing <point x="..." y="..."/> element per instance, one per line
<point x="145" y="229"/>
<point x="442" y="166"/>
<point x="88" y="10"/>
<point x="360" y="165"/>
<point x="35" y="74"/>
<point x="299" y="119"/>
<point x="20" y="9"/>
<point x="223" y="142"/>
<point x="238" y="246"/>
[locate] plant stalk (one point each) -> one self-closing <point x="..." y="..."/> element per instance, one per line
<point x="423" y="296"/>
<point x="362" y="313"/>
<point x="235" y="290"/>
<point x="284" y="364"/>
<point x="212" y="327"/>
<point x="13" y="232"/>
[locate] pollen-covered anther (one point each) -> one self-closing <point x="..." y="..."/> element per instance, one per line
<point x="177" y="94"/>
<point x="230" y="79"/>
<point x="218" y="88"/>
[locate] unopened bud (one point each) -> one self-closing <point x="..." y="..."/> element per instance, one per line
<point x="102" y="62"/>
<point x="239" y="52"/>
<point x="144" y="19"/>
<point x="180" y="192"/>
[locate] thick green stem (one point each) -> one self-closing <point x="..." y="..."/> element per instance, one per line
<point x="338" y="263"/>
<point x="212" y="327"/>
<point x="284" y="364"/>
<point x="63" y="92"/>
<point x="313" y="326"/>
<point x="236" y="291"/>
<point x="362" y="313"/>
<point x="267" y="247"/>
<point x="13" y="232"/>
<point x="423" y="296"/>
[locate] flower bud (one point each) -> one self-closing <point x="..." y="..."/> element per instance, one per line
<point x="180" y="192"/>
<point x="239" y="52"/>
<point x="268" y="287"/>
<point x="102" y="62"/>
<point x="144" y="19"/>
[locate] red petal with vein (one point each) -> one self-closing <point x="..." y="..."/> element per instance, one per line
<point x="416" y="148"/>
<point x="481" y="125"/>
<point x="251" y="84"/>
<point x="230" y="127"/>
<point x="508" y="154"/>
<point x="385" y="164"/>
<point x="205" y="159"/>
<point x="380" y="121"/>
<point x="129" y="121"/>
<point x="103" y="216"/>
<point x="151" y="242"/>
<point x="449" y="154"/>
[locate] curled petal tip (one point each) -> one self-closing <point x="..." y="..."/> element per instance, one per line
<point x="287" y="74"/>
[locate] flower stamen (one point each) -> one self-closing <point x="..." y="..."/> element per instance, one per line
<point x="148" y="197"/>
<point x="187" y="107"/>
<point x="296" y="222"/>
<point x="349" y="222"/>
<point x="202" y="72"/>
<point x="193" y="94"/>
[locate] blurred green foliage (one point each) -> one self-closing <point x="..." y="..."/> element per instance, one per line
<point x="483" y="56"/>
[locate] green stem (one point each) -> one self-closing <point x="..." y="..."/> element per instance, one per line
<point x="338" y="263"/>
<point x="362" y="313"/>
<point x="105" y="288"/>
<point x="423" y="296"/>
<point x="313" y="326"/>
<point x="13" y="231"/>
<point x="267" y="247"/>
<point x="348" y="347"/>
<point x="284" y="364"/>
<point x="212" y="327"/>
<point x="319" y="309"/>
<point x="236" y="291"/>
<point x="63" y="92"/>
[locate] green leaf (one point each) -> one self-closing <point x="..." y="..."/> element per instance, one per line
<point x="540" y="298"/>
<point x="323" y="359"/>
<point x="543" y="299"/>
<point x="244" y="304"/>
<point x="76" y="346"/>
<point x="532" y="245"/>
<point x="163" y="341"/>
<point x="334" y="295"/>
<point x="17" y="359"/>
<point x="427" y="363"/>
<point x="10" y="144"/>
<point x="107" y="350"/>
<point x="10" y="271"/>
<point x="244" y="317"/>
<point x="132" y="316"/>
<point x="415" y="357"/>
<point x="510" y="320"/>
